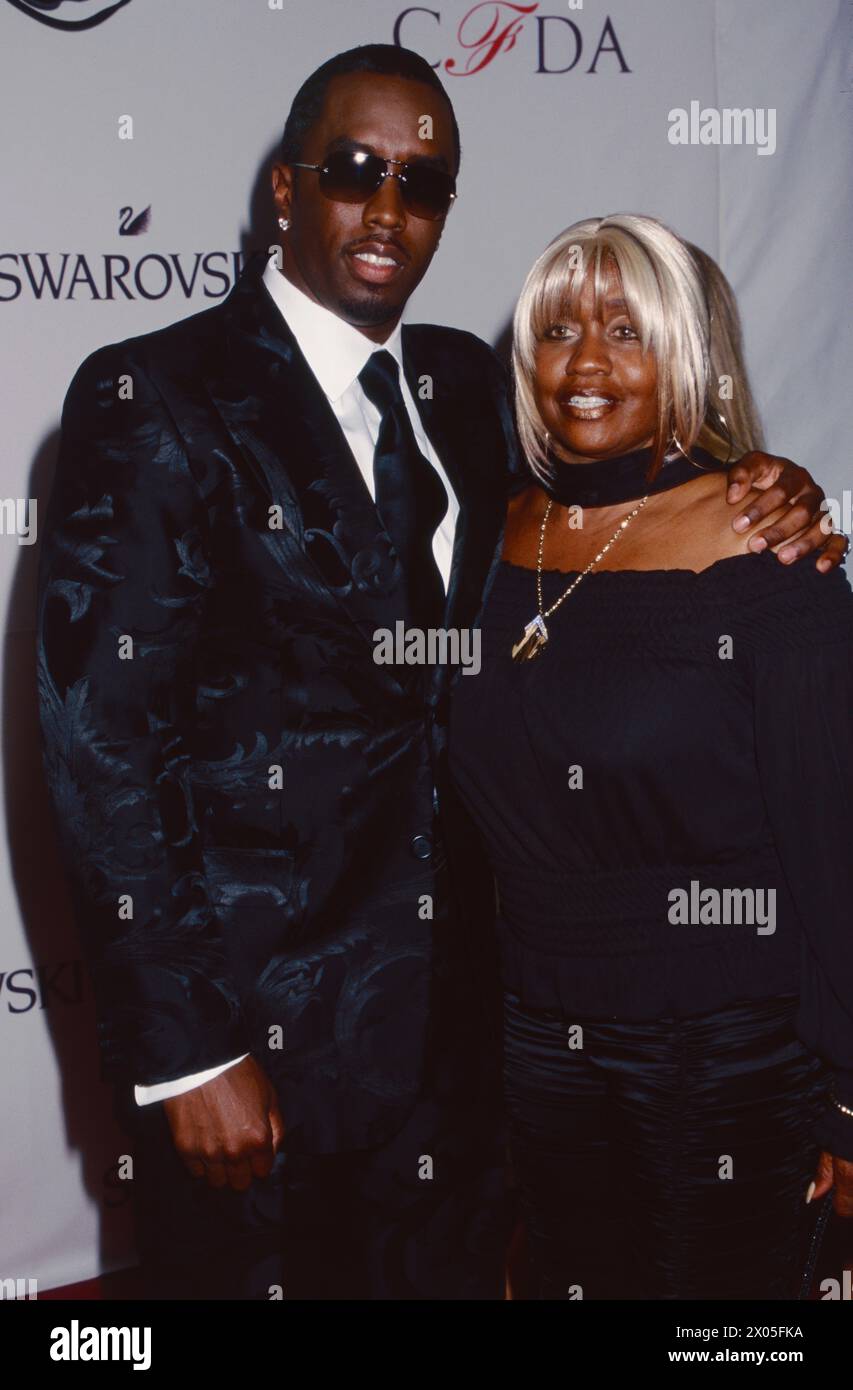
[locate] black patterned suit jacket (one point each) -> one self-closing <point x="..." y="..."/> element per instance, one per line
<point x="244" y="798"/>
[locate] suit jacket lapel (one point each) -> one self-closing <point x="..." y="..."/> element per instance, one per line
<point x="464" y="442"/>
<point x="276" y="412"/>
<point x="278" y="415"/>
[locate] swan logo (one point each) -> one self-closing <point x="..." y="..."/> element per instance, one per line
<point x="69" y="14"/>
<point x="134" y="223"/>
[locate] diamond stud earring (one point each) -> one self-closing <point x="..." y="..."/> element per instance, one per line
<point x="284" y="223"/>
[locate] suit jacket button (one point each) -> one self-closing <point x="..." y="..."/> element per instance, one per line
<point x="421" y="846"/>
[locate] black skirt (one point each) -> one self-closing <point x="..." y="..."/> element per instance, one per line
<point x="665" y="1159"/>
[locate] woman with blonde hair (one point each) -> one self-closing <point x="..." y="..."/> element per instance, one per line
<point x="731" y="415"/>
<point x="659" y="753"/>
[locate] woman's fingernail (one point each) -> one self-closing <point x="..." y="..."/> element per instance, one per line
<point x="810" y="1192"/>
<point x="757" y="544"/>
<point x="787" y="555"/>
<point x="741" y="523"/>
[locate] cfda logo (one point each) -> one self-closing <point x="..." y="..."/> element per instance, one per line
<point x="69" y="14"/>
<point x="492" y="27"/>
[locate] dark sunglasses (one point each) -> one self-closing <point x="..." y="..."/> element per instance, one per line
<point x="353" y="176"/>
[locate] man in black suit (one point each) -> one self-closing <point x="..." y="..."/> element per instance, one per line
<point x="286" y="913"/>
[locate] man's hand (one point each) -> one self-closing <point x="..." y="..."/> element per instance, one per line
<point x="229" y="1129"/>
<point x="837" y="1173"/>
<point x="805" y="525"/>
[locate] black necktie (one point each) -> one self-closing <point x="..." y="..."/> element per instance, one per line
<point x="410" y="496"/>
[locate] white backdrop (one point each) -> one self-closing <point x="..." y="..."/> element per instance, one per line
<point x="546" y="140"/>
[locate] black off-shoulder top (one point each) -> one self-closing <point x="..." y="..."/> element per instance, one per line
<point x="683" y="736"/>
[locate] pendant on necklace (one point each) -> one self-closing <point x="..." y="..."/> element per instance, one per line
<point x="533" y="641"/>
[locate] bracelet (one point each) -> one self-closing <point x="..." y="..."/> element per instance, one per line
<point x="845" y="1109"/>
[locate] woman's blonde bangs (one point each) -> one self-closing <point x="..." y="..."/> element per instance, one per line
<point x="557" y="289"/>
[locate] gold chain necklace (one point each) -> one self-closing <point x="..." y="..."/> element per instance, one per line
<point x="535" y="635"/>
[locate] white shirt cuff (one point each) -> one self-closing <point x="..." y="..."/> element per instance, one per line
<point x="163" y="1090"/>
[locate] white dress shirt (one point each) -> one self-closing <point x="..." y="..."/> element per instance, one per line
<point x="336" y="353"/>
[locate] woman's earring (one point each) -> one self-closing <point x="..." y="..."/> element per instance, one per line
<point x="284" y="223"/>
<point x="727" y="432"/>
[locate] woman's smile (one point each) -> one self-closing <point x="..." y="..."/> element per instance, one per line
<point x="586" y="404"/>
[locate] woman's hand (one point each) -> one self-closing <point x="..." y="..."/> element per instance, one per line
<point x="805" y="525"/>
<point x="837" y="1172"/>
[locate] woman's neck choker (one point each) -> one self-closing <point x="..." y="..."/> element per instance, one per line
<point x="605" y="482"/>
